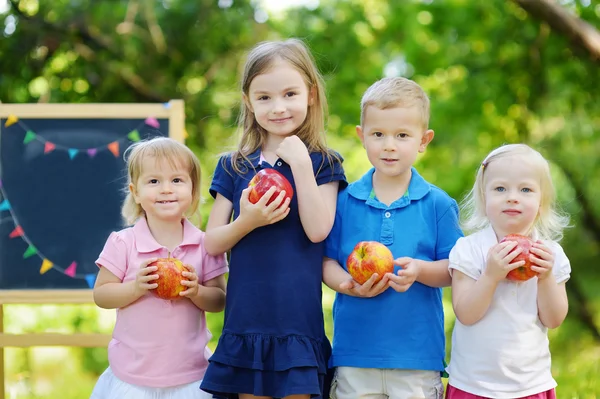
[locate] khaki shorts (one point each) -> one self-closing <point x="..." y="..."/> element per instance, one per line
<point x="357" y="383"/>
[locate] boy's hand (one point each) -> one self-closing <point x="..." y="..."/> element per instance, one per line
<point x="406" y="276"/>
<point x="498" y="261"/>
<point x="542" y="258"/>
<point x="145" y="277"/>
<point x="367" y="290"/>
<point x="261" y="214"/>
<point x="293" y="151"/>
<point x="191" y="282"/>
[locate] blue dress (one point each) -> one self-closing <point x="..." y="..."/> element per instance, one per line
<point x="273" y="341"/>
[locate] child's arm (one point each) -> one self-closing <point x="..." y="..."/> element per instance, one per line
<point x="316" y="204"/>
<point x="111" y="293"/>
<point x="221" y="235"/>
<point x="338" y="279"/>
<point x="471" y="298"/>
<point x="552" y="301"/>
<point x="211" y="295"/>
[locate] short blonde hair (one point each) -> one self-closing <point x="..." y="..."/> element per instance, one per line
<point x="162" y="149"/>
<point x="395" y="92"/>
<point x="549" y="224"/>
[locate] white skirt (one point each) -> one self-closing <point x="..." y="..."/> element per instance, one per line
<point x="110" y="387"/>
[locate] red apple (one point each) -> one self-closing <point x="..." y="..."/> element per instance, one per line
<point x="264" y="180"/>
<point x="521" y="273"/>
<point x="367" y="258"/>
<point x="169" y="278"/>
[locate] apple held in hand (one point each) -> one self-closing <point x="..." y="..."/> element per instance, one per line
<point x="264" y="180"/>
<point x="169" y="278"/>
<point x="522" y="273"/>
<point x="367" y="258"/>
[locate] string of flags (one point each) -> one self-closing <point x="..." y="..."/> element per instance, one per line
<point x="30" y="136"/>
<point x="113" y="147"/>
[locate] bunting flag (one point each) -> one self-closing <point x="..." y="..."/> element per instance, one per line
<point x="46" y="265"/>
<point x="17" y="232"/>
<point x="151" y="121"/>
<point x="114" y="148"/>
<point x="31" y="250"/>
<point x="11" y="120"/>
<point x="70" y="271"/>
<point x="73" y="152"/>
<point x="29" y="137"/>
<point x="91" y="152"/>
<point x="134" y="135"/>
<point x="49" y="147"/>
<point x="90" y="279"/>
<point x="5" y="205"/>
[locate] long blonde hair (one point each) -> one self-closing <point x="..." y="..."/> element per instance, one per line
<point x="161" y="149"/>
<point x="550" y="222"/>
<point x="259" y="60"/>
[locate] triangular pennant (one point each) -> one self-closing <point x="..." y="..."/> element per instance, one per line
<point x="91" y="280"/>
<point x="151" y="121"/>
<point x="167" y="105"/>
<point x="114" y="148"/>
<point x="17" y="232"/>
<point x="11" y="120"/>
<point x="29" y="137"/>
<point x="185" y="133"/>
<point x="30" y="252"/>
<point x="49" y="147"/>
<point x="134" y="135"/>
<point x="46" y="265"/>
<point x="70" y="271"/>
<point x="4" y="205"/>
<point x="73" y="152"/>
<point x="91" y="152"/>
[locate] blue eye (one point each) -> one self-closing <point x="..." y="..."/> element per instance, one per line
<point x="526" y="190"/>
<point x="500" y="189"/>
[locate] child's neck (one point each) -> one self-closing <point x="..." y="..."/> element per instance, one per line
<point x="389" y="189"/>
<point x="167" y="233"/>
<point x="269" y="148"/>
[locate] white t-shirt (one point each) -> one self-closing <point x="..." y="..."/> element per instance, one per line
<point x="506" y="353"/>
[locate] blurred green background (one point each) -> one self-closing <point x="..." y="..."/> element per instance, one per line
<point x="496" y="71"/>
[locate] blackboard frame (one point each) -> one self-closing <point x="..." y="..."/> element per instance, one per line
<point x="174" y="112"/>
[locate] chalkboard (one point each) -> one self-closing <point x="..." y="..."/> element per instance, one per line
<point x="62" y="178"/>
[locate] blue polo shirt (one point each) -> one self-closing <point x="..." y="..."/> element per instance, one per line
<point x="393" y="330"/>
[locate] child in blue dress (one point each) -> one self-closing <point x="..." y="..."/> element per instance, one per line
<point x="273" y="343"/>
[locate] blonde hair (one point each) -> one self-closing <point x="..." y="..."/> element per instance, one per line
<point x="549" y="223"/>
<point x="161" y="149"/>
<point x="393" y="93"/>
<point x="259" y="60"/>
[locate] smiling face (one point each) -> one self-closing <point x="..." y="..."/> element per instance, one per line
<point x="163" y="190"/>
<point x="512" y="192"/>
<point x="279" y="99"/>
<point x="393" y="138"/>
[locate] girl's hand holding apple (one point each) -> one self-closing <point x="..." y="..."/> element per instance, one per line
<point x="144" y="278"/>
<point x="190" y="281"/>
<point x="260" y="214"/>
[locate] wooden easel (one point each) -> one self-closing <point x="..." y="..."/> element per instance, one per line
<point x="174" y="112"/>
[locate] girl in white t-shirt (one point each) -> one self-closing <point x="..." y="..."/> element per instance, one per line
<point x="500" y="343"/>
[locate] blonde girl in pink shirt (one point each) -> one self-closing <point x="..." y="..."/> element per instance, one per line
<point x="158" y="348"/>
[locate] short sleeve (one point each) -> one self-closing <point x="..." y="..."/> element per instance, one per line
<point x="464" y="259"/>
<point x="562" y="265"/>
<point x="114" y="256"/>
<point x="213" y="266"/>
<point x="332" y="242"/>
<point x="222" y="181"/>
<point x="448" y="231"/>
<point x="329" y="169"/>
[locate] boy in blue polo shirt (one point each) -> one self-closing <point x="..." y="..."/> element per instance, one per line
<point x="389" y="343"/>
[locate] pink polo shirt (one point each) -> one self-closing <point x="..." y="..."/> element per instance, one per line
<point x="155" y="342"/>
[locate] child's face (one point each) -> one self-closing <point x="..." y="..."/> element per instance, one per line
<point x="393" y="138"/>
<point x="164" y="192"/>
<point x="512" y="195"/>
<point x="279" y="99"/>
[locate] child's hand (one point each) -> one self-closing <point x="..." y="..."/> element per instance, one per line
<point x="293" y="151"/>
<point x="406" y="276"/>
<point x="261" y="214"/>
<point x="191" y="282"/>
<point x="144" y="277"/>
<point x="367" y="290"/>
<point x="498" y="261"/>
<point x="542" y="258"/>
